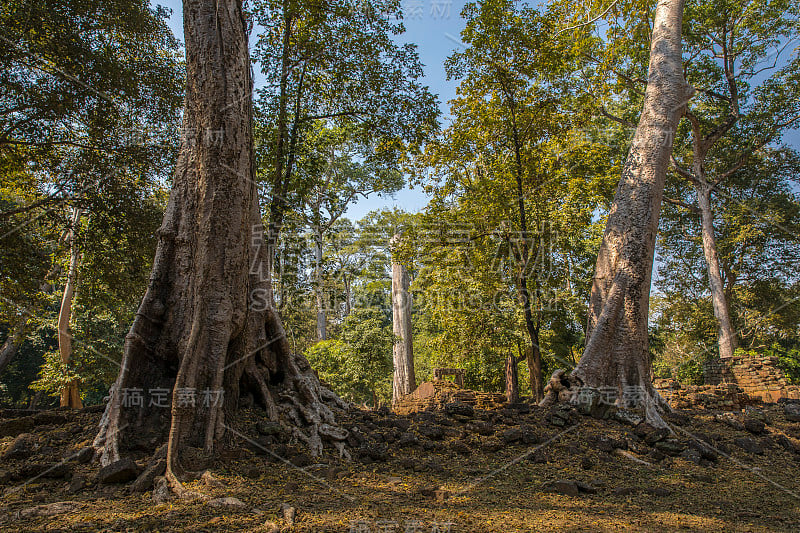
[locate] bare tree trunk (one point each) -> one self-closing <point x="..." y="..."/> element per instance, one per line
<point x="206" y="328"/>
<point x="285" y="157"/>
<point x="512" y="379"/>
<point x="616" y="353"/>
<point x="277" y="205"/>
<point x="347" y="297"/>
<point x="404" y="381"/>
<point x="701" y="145"/>
<point x="35" y="399"/>
<point x="69" y="394"/>
<point x="533" y="358"/>
<point x="727" y="336"/>
<point x="322" y="319"/>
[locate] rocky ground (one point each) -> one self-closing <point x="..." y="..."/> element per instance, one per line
<point x="513" y="469"/>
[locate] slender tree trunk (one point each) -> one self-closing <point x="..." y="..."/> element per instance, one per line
<point x="701" y="145"/>
<point x="277" y="205"/>
<point x="35" y="400"/>
<point x="534" y="353"/>
<point x="347" y="305"/>
<point x="69" y="394"/>
<point x="284" y="169"/>
<point x="322" y="318"/>
<point x="533" y="358"/>
<point x="727" y="336"/>
<point x="524" y="267"/>
<point x="535" y="363"/>
<point x="206" y="329"/>
<point x="404" y="381"/>
<point x="512" y="379"/>
<point x="616" y="353"/>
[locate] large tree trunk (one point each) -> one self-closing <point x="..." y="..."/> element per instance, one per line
<point x="404" y="381"/>
<point x="616" y="353"/>
<point x="69" y="394"/>
<point x="206" y="328"/>
<point x="727" y="336"/>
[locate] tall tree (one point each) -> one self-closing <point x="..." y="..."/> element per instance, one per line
<point x="90" y="98"/>
<point x="348" y="259"/>
<point x="205" y="325"/>
<point x="334" y="63"/>
<point x="338" y="170"/>
<point x="616" y="352"/>
<point x="69" y="394"/>
<point x="499" y="96"/>
<point x="756" y="215"/>
<point x="502" y="174"/>
<point x="732" y="47"/>
<point x="404" y="381"/>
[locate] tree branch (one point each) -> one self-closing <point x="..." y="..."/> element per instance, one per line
<point x="679" y="203"/>
<point x="588" y="22"/>
<point x="333" y="115"/>
<point x="39" y="203"/>
<point x="682" y="171"/>
<point x="616" y="118"/>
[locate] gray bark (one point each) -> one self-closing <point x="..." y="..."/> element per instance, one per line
<point x="70" y="396"/>
<point x="206" y="322"/>
<point x="701" y="145"/>
<point x="347" y="297"/>
<point x="404" y="381"/>
<point x="727" y="336"/>
<point x="616" y="351"/>
<point x="322" y="318"/>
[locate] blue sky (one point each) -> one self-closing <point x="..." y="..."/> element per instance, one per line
<point x="434" y="26"/>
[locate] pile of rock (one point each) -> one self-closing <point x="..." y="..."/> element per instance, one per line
<point x="435" y="395"/>
<point x="759" y="377"/>
<point x="723" y="397"/>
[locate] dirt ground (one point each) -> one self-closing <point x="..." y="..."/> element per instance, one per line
<point x="514" y="469"/>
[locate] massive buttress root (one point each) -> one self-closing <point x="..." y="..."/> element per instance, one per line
<point x="206" y="334"/>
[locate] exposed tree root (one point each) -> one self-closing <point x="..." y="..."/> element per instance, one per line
<point x="206" y="332"/>
<point x="298" y="401"/>
<point x="616" y="355"/>
<point x="639" y="397"/>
